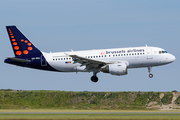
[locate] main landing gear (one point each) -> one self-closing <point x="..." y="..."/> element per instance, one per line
<point x="149" y="70"/>
<point x="94" y="78"/>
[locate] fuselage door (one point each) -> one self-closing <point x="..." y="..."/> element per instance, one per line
<point x="149" y="53"/>
<point x="43" y="61"/>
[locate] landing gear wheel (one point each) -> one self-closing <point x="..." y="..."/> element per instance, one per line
<point x="150" y="75"/>
<point x="94" y="78"/>
<point x="149" y="70"/>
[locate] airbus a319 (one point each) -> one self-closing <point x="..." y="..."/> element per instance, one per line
<point x="114" y="61"/>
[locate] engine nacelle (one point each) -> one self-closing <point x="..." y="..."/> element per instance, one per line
<point x="115" y="69"/>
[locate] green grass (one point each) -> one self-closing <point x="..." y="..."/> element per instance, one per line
<point x="81" y="100"/>
<point x="83" y="105"/>
<point x="85" y="114"/>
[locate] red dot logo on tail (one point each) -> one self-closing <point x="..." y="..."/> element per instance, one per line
<point x="10" y="30"/>
<point x="25" y="52"/>
<point x="18" y="53"/>
<point x="16" y="47"/>
<point x="30" y="48"/>
<point x="29" y="44"/>
<point x="14" y="43"/>
<point x="13" y="40"/>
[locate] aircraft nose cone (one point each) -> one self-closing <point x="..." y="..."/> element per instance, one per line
<point x="171" y="58"/>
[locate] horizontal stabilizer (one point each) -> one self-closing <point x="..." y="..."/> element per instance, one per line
<point x="19" y="60"/>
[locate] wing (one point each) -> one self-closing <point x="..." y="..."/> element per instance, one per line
<point x="89" y="63"/>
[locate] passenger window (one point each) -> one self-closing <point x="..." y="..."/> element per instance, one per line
<point x="104" y="55"/>
<point x="132" y="54"/>
<point x="137" y="53"/>
<point x="160" y="52"/>
<point x="59" y="58"/>
<point x="140" y="53"/>
<point x="96" y="56"/>
<point x="64" y="58"/>
<point x="109" y="55"/>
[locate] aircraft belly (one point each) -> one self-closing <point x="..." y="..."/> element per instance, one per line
<point x="62" y="66"/>
<point x="155" y="61"/>
<point x="133" y="62"/>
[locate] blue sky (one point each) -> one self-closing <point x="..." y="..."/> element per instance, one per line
<point x="62" y="25"/>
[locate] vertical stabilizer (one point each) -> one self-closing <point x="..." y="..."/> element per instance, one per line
<point x="22" y="47"/>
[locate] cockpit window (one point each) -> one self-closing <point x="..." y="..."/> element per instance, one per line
<point x="162" y="52"/>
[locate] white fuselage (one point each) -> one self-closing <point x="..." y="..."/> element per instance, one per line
<point x="134" y="57"/>
<point x="113" y="61"/>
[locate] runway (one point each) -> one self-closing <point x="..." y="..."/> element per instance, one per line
<point x="90" y="115"/>
<point x="90" y="112"/>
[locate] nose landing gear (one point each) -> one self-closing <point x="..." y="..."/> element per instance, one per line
<point x="149" y="70"/>
<point x="150" y="75"/>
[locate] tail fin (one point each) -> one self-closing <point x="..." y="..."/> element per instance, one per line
<point x="22" y="47"/>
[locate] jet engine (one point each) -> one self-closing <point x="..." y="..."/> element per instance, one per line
<point x="115" y="69"/>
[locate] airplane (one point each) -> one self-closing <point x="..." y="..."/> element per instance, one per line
<point x="114" y="61"/>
